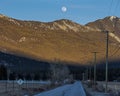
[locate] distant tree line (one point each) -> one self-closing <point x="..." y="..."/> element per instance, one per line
<point x="113" y="74"/>
<point x="59" y="71"/>
<point x="3" y="72"/>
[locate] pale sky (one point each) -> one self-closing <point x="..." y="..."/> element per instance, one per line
<point x="80" y="11"/>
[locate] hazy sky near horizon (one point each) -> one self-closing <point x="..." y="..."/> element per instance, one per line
<point x="80" y="11"/>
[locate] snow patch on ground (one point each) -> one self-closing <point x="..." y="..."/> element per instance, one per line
<point x="12" y="20"/>
<point x="112" y="18"/>
<point x="71" y="27"/>
<point x="9" y="19"/>
<point x="115" y="37"/>
<point x="22" y="39"/>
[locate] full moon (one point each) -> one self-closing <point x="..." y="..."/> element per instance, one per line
<point x="64" y="9"/>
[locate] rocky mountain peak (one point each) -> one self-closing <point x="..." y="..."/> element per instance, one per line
<point x="63" y="24"/>
<point x="112" y="18"/>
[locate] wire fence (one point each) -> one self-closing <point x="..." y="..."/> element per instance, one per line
<point x="24" y="87"/>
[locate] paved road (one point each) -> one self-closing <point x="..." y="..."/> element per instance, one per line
<point x="75" y="89"/>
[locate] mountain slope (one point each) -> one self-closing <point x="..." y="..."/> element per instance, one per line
<point x="110" y="23"/>
<point x="62" y="39"/>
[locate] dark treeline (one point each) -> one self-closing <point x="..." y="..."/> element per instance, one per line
<point x="20" y="67"/>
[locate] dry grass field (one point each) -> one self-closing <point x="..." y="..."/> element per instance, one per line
<point x="28" y="88"/>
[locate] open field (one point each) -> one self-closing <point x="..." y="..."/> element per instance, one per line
<point x="115" y="86"/>
<point x="28" y="88"/>
<point x="99" y="90"/>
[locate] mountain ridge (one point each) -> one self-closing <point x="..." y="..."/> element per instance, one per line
<point x="61" y="39"/>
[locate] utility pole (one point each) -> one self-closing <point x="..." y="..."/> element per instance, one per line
<point x="106" y="73"/>
<point x="83" y="76"/>
<point x="87" y="75"/>
<point x="90" y="72"/>
<point x="94" y="68"/>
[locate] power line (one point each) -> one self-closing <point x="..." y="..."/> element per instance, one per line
<point x="115" y="24"/>
<point x="118" y="54"/>
<point x="109" y="11"/>
<point x="116" y="6"/>
<point x="118" y="48"/>
<point x="113" y="6"/>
